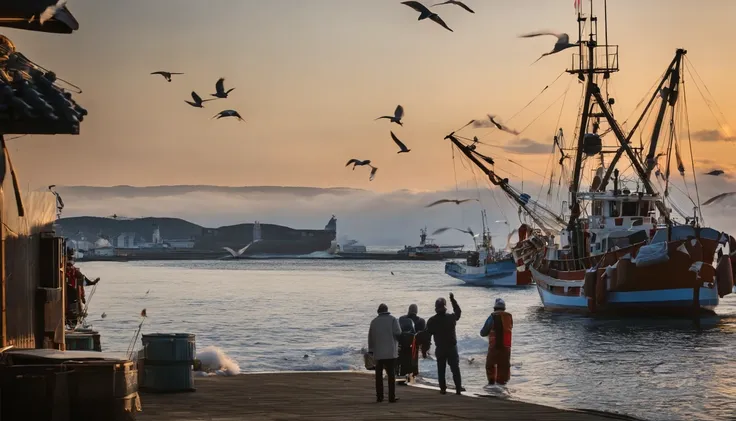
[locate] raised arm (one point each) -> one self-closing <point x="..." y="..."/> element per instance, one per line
<point x="455" y="307"/>
<point x="486" y="330"/>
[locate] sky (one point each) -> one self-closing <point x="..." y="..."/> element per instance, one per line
<point x="311" y="76"/>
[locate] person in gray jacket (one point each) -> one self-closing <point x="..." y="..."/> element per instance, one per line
<point x="383" y="343"/>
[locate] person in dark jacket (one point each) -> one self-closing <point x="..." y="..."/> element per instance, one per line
<point x="442" y="327"/>
<point x="421" y="340"/>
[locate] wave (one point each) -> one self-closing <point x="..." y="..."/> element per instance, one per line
<point x="216" y="363"/>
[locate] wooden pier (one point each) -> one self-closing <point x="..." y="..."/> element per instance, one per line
<point x="333" y="396"/>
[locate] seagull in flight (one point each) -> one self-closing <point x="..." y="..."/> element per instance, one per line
<point x="501" y="126"/>
<point x="425" y="13"/>
<point x="401" y="145"/>
<point x="166" y="75"/>
<point x="718" y="198"/>
<point x="468" y="231"/>
<point x="228" y="113"/>
<point x="198" y="101"/>
<point x="457" y="3"/>
<point x="357" y="162"/>
<point x="563" y="42"/>
<point x="396" y="118"/>
<point x="455" y="201"/>
<point x="716" y="173"/>
<point x="220" y="88"/>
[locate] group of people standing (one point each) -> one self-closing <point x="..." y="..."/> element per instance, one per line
<point x="395" y="343"/>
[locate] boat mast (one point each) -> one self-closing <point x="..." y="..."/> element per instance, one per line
<point x="503" y="183"/>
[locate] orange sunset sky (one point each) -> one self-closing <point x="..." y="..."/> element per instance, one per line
<point x="311" y="75"/>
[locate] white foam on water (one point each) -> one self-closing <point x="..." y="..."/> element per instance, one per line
<point x="216" y="363"/>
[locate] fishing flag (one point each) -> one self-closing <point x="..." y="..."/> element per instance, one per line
<point x="578" y="6"/>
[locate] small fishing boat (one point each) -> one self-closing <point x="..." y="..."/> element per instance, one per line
<point x="488" y="267"/>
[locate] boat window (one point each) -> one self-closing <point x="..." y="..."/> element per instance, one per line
<point x="629" y="208"/>
<point x="644" y="208"/>
<point x="614" y="208"/>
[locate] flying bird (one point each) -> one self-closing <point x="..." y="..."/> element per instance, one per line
<point x="716" y="173"/>
<point x="401" y="145"/>
<point x="166" y="75"/>
<point x="197" y="101"/>
<point x="425" y="13"/>
<point x="718" y="198"/>
<point x="50" y="12"/>
<point x="373" y="173"/>
<point x="455" y="201"/>
<point x="457" y="3"/>
<point x="501" y="126"/>
<point x="468" y="231"/>
<point x="228" y="113"/>
<point x="357" y="162"/>
<point x="563" y="42"/>
<point x="220" y="88"/>
<point x="396" y="118"/>
<point x="103" y="315"/>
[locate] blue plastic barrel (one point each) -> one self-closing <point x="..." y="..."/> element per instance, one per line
<point x="168" y="359"/>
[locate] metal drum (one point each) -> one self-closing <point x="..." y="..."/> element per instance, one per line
<point x="168" y="360"/>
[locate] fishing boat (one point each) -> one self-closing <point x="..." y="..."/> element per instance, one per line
<point x="621" y="249"/>
<point x="488" y="267"/>
<point x="427" y="247"/>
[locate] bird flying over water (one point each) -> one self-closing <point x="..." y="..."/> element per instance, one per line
<point x="425" y="13"/>
<point x="716" y="173"/>
<point x="396" y="118"/>
<point x="228" y="113"/>
<point x="718" y="198"/>
<point x="166" y="75"/>
<point x="220" y="89"/>
<point x="563" y="42"/>
<point x="455" y="201"/>
<point x="457" y="3"/>
<point x="403" y="147"/>
<point x="198" y="101"/>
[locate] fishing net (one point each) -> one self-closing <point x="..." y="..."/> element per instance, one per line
<point x="32" y="99"/>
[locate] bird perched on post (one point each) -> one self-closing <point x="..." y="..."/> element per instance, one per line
<point x="166" y="75"/>
<point x="425" y="13"/>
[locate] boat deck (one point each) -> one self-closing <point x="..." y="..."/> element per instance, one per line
<point x="333" y="396"/>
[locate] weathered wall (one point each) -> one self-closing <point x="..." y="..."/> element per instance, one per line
<point x="21" y="237"/>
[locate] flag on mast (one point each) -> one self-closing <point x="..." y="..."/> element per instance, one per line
<point x="577" y="5"/>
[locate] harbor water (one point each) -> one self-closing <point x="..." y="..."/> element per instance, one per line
<point x="281" y="315"/>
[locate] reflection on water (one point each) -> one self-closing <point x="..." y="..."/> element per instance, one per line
<point x="269" y="314"/>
